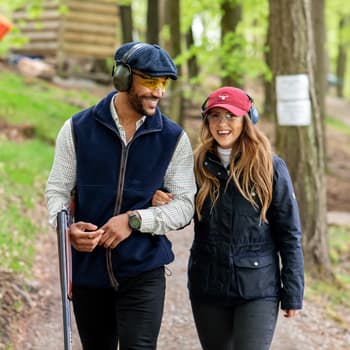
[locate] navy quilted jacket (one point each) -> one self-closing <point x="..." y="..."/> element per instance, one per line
<point x="236" y="257"/>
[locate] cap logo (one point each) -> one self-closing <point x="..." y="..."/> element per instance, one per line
<point x="223" y="97"/>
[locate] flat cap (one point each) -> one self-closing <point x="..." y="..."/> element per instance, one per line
<point x="149" y="59"/>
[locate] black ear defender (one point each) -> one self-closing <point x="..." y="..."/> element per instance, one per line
<point x="204" y="107"/>
<point x="122" y="73"/>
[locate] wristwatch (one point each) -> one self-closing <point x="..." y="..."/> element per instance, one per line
<point x="134" y="220"/>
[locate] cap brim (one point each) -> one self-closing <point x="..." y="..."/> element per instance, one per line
<point x="160" y="74"/>
<point x="232" y="109"/>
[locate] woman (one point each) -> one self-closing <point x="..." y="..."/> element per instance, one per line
<point x="246" y="227"/>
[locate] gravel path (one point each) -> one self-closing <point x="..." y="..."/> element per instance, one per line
<point x="42" y="328"/>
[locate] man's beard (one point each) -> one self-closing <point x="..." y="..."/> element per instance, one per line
<point x="136" y="102"/>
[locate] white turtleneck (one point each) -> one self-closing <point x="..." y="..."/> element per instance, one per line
<point x="224" y="155"/>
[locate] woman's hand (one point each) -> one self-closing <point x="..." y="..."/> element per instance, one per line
<point x="289" y="313"/>
<point x="161" y="198"/>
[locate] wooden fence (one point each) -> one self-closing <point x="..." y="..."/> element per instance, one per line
<point x="86" y="29"/>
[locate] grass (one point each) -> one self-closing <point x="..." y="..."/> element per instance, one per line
<point x="339" y="238"/>
<point x="39" y="104"/>
<point x="25" y="165"/>
<point x="338" y="125"/>
<point x="24" y="168"/>
<point x="335" y="297"/>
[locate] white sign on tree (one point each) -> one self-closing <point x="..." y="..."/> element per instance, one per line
<point x="293" y="100"/>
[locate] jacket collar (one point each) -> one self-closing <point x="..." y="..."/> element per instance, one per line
<point x="102" y="113"/>
<point x="213" y="164"/>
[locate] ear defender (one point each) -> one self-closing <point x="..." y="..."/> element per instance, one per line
<point x="122" y="73"/>
<point x="204" y="107"/>
<point x="253" y="112"/>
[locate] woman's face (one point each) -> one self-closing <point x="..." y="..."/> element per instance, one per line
<point x="224" y="127"/>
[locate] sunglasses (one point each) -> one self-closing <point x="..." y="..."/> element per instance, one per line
<point x="217" y="116"/>
<point x="152" y="83"/>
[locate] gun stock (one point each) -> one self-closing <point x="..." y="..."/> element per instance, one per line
<point x="64" y="253"/>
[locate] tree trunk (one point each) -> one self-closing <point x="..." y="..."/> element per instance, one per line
<point x="268" y="86"/>
<point x="341" y="59"/>
<point x="319" y="30"/>
<point x="152" y="35"/>
<point x="126" y="22"/>
<point x="172" y="18"/>
<point x="293" y="52"/>
<point x="232" y="14"/>
<point x="192" y="65"/>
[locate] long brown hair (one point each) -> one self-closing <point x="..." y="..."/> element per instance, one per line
<point x="250" y="167"/>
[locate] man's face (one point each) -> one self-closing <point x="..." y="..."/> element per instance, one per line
<point x="146" y="92"/>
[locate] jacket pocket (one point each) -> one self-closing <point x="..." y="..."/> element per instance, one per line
<point x="257" y="276"/>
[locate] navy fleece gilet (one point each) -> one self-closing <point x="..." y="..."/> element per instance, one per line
<point x="113" y="178"/>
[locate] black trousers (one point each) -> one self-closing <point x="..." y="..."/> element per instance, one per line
<point x="246" y="326"/>
<point x="130" y="317"/>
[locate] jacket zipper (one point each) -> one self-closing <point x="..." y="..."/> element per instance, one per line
<point x="118" y="203"/>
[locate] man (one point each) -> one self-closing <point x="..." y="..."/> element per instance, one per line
<point x="113" y="157"/>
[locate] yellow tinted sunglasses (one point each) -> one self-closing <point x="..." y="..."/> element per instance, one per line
<point x="152" y="83"/>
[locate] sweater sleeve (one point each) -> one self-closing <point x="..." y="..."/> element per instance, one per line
<point x="61" y="180"/>
<point x="179" y="180"/>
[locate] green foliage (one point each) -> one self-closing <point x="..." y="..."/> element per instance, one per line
<point x="123" y="2"/>
<point x="242" y="52"/>
<point x="234" y="57"/>
<point x="139" y="9"/>
<point x="205" y="10"/>
<point x="165" y="35"/>
<point x="204" y="16"/>
<point x="232" y="54"/>
<point x="335" y="11"/>
<point x="15" y="38"/>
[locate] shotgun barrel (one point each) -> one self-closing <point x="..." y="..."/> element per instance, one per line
<point x="64" y="253"/>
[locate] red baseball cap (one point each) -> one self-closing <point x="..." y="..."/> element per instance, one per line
<point x="234" y="100"/>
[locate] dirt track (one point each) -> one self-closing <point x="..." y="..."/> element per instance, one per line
<point x="42" y="329"/>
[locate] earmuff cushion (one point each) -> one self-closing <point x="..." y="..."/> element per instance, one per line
<point x="253" y="115"/>
<point x="122" y="74"/>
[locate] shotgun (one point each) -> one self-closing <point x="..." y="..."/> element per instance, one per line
<point x="65" y="267"/>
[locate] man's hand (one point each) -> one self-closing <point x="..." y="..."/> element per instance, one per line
<point x="84" y="236"/>
<point x="116" y="229"/>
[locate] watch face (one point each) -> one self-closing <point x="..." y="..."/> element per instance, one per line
<point x="134" y="221"/>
